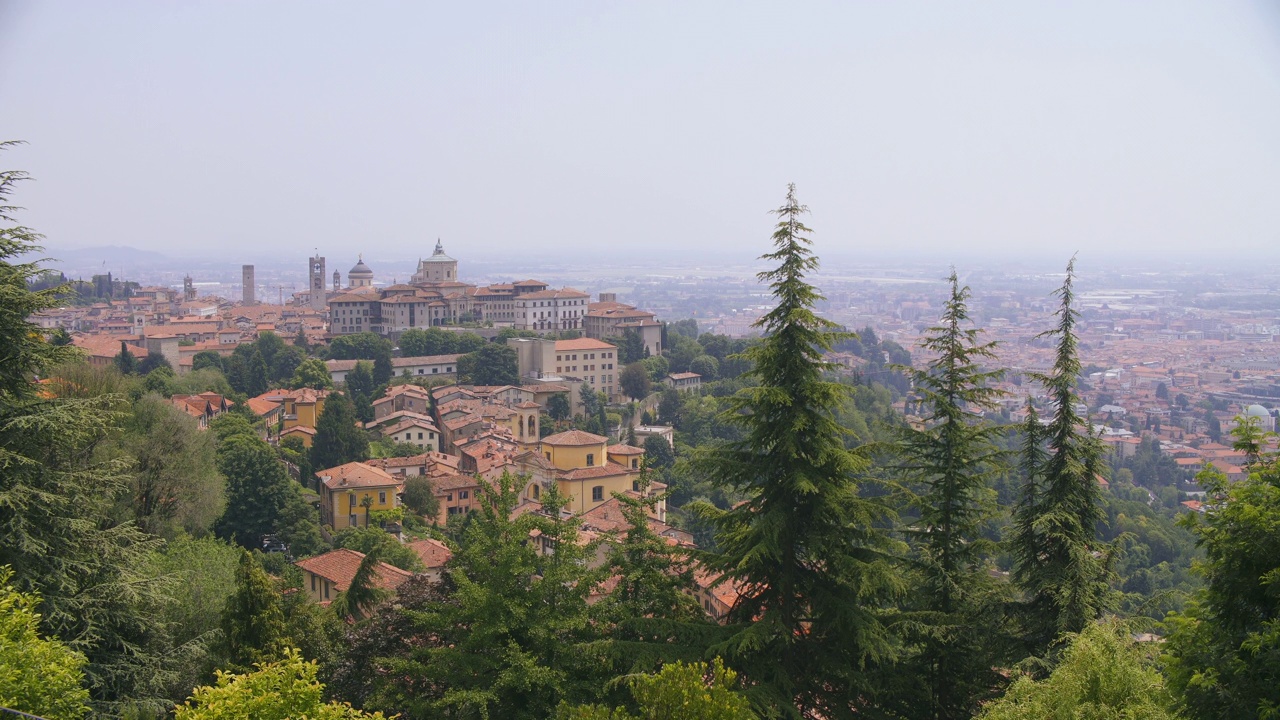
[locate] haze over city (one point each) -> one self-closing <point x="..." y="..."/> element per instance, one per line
<point x="627" y="133"/>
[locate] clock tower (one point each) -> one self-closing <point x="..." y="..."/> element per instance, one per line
<point x="319" y="298"/>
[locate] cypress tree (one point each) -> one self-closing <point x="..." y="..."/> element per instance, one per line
<point x="1055" y="534"/>
<point x="126" y="363"/>
<point x="952" y="456"/>
<point x="253" y="628"/>
<point x="337" y="439"/>
<point x="803" y="548"/>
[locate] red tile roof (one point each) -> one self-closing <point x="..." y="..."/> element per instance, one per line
<point x="432" y="552"/>
<point x="354" y="475"/>
<point x="574" y="437"/>
<point x="339" y="567"/>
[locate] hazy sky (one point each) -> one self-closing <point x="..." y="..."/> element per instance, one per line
<point x="248" y="129"/>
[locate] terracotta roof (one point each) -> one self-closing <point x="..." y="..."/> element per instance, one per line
<point x="597" y="471"/>
<point x="624" y="450"/>
<point x="574" y="437"/>
<point x="684" y="376"/>
<point x="299" y="429"/>
<point x="445" y="483"/>
<point x="581" y="344"/>
<point x="339" y="567"/>
<point x="354" y="475"/>
<point x="261" y="406"/>
<point x="432" y="552"/>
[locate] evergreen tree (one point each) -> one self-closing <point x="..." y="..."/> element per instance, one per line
<point x="125" y="362"/>
<point x="953" y="456"/>
<point x="507" y="641"/>
<point x="256" y="379"/>
<point x="1065" y="583"/>
<point x="806" y="550"/>
<point x="338" y="440"/>
<point x="56" y="528"/>
<point x="383" y="371"/>
<point x="253" y="629"/>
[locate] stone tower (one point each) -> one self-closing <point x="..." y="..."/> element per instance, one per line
<point x="188" y="289"/>
<point x="247" y="285"/>
<point x="319" y="299"/>
<point x="337" y="281"/>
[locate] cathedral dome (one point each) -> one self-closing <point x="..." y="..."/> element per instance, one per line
<point x="360" y="270"/>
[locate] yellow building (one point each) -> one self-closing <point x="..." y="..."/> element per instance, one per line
<point x="589" y="471"/>
<point x="344" y="490"/>
<point x="301" y="407"/>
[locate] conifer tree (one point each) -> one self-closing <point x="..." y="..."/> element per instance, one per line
<point x="253" y="629"/>
<point x="803" y="547"/>
<point x="952" y="456"/>
<point x="126" y="363"/>
<point x="337" y="439"/>
<point x="1056" y="535"/>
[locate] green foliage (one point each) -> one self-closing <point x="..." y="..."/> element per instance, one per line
<point x="359" y="346"/>
<point x="37" y="675"/>
<point x="1055" y="542"/>
<point x="338" y="439"/>
<point x="364" y="593"/>
<point x="804" y="546"/>
<point x="1223" y="654"/>
<point x="311" y="373"/>
<point x="1103" y="676"/>
<point x="281" y="690"/>
<point x="504" y="643"/>
<point x="492" y="364"/>
<point x="174" y="482"/>
<point x="434" y="341"/>
<point x="258" y="489"/>
<point x="376" y="540"/>
<point x="125" y="361"/>
<point x="634" y="381"/>
<point x="630" y="346"/>
<point x="696" y="691"/>
<point x="952" y="458"/>
<point x="706" y="366"/>
<point x="558" y="406"/>
<point x="253" y="629"/>
<point x="206" y="359"/>
<point x="419" y="496"/>
<point x="683" y="328"/>
<point x="658" y="453"/>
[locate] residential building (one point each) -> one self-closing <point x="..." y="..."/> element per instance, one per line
<point x="350" y="492"/>
<point x="324" y="576"/>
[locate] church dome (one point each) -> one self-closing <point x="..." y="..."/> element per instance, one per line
<point x="438" y="256"/>
<point x="360" y="270"/>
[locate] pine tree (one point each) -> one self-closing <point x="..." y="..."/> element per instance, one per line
<point x="804" y="547"/>
<point x="253" y="629"/>
<point x="1055" y="538"/>
<point x="952" y="456"/>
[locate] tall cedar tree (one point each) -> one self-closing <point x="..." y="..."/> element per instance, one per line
<point x="56" y="531"/>
<point x="1056" y="527"/>
<point x="953" y="457"/>
<point x="807" y="552"/>
<point x="338" y="440"/>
